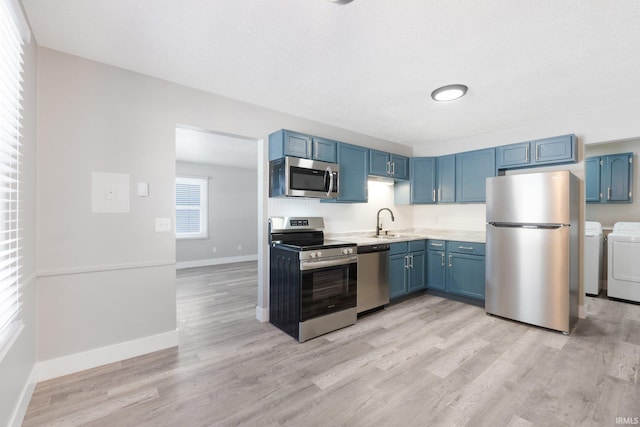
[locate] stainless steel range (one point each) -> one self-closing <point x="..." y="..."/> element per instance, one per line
<point x="313" y="282"/>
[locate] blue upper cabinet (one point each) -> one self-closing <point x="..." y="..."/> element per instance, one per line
<point x="559" y="149"/>
<point x="379" y="163"/>
<point x="514" y="155"/>
<point x="446" y="179"/>
<point x="399" y="167"/>
<point x="472" y="170"/>
<point x="593" y="172"/>
<point x="556" y="150"/>
<point x="324" y="150"/>
<point x="388" y="165"/>
<point x="287" y="143"/>
<point x="618" y="175"/>
<point x="609" y="178"/>
<point x="354" y="167"/>
<point x="422" y="179"/>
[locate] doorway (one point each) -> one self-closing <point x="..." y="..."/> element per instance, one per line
<point x="228" y="164"/>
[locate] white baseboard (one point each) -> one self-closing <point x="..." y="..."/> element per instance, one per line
<point x="262" y="314"/>
<point x="215" y="261"/>
<point x="65" y="365"/>
<point x="25" y="398"/>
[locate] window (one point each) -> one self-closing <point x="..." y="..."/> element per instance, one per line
<point x="191" y="208"/>
<point x="10" y="97"/>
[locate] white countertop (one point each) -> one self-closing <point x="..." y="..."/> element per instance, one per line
<point x="368" y="238"/>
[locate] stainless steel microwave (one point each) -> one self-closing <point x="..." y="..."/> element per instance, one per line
<point x="295" y="177"/>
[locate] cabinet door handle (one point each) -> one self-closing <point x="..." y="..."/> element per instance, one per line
<point x="388" y="168"/>
<point x="442" y="260"/>
<point x="437" y="245"/>
<point x="450" y="263"/>
<point x="309" y="151"/>
<point x="315" y="149"/>
<point x="393" y="168"/>
<point x="433" y="197"/>
<point x="465" y="248"/>
<point x="537" y="153"/>
<point x="411" y="263"/>
<point x="406" y="261"/>
<point x="608" y="193"/>
<point x="439" y="194"/>
<point x="526" y="154"/>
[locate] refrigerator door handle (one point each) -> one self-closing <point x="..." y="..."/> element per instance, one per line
<point x="528" y="226"/>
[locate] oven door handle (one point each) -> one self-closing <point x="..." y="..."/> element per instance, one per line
<point x="313" y="265"/>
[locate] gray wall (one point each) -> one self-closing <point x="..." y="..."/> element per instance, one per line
<point x="233" y="213"/>
<point x="16" y="367"/>
<point x="109" y="278"/>
<point x="610" y="213"/>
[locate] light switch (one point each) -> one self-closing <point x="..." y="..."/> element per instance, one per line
<point x="143" y="189"/>
<point x="163" y="225"/>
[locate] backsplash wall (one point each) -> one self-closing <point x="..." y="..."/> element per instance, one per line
<point x="349" y="217"/>
<point x="454" y="216"/>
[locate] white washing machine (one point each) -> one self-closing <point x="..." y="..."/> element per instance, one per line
<point x="592" y="257"/>
<point x="624" y="261"/>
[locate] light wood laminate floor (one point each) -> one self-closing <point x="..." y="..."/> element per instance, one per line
<point x="426" y="361"/>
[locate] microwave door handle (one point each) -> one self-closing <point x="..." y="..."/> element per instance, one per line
<point x="330" y="172"/>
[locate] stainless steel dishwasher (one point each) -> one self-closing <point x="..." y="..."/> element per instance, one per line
<point x="373" y="277"/>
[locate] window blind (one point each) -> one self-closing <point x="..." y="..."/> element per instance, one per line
<point x="191" y="207"/>
<point x="10" y="104"/>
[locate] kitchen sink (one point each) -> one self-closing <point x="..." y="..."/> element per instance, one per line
<point x="386" y="236"/>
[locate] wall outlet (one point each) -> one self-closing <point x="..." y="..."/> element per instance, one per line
<point x="239" y="247"/>
<point x="214" y="249"/>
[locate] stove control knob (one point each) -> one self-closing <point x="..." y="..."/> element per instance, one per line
<point x="318" y="254"/>
<point x="350" y="250"/>
<point x="312" y="254"/>
<point x="347" y="251"/>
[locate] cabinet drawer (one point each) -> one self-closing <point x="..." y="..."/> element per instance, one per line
<point x="465" y="247"/>
<point x="438" y="245"/>
<point x="416" y="245"/>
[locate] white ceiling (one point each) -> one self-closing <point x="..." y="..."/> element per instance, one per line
<point x="216" y="149"/>
<point x="369" y="66"/>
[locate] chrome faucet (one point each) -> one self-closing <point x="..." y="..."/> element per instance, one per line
<point x="378" y="228"/>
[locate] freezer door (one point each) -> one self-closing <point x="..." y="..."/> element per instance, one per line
<point x="527" y="275"/>
<point x="538" y="198"/>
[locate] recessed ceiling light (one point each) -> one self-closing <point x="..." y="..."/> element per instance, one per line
<point x="340" y="1"/>
<point x="449" y="92"/>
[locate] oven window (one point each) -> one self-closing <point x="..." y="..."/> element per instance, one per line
<point x="329" y="283"/>
<point x="327" y="290"/>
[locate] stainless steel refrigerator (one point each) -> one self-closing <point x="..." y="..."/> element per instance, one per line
<point x="532" y="248"/>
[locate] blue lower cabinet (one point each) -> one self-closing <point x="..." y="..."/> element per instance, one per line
<point x="456" y="269"/>
<point x="436" y="270"/>
<point x="465" y="269"/>
<point x="415" y="272"/>
<point x="466" y="275"/>
<point x="407" y="268"/>
<point x="397" y="280"/>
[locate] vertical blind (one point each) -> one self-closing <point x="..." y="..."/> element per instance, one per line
<point x="10" y="100"/>
<point x="191" y="207"/>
